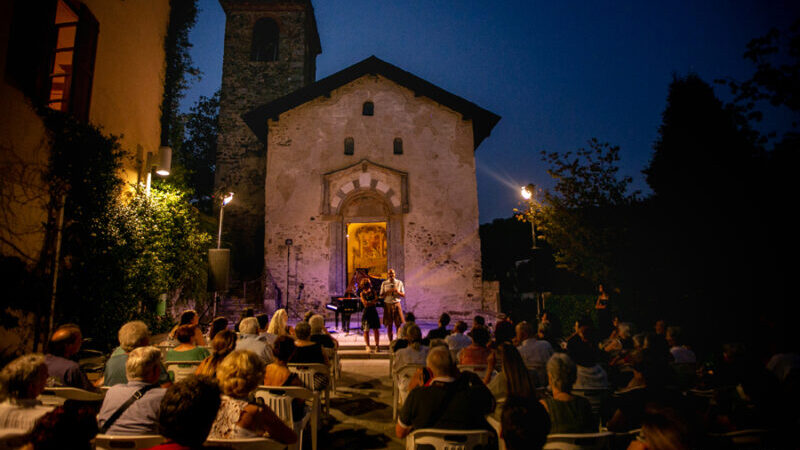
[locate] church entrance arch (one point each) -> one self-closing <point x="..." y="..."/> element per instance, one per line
<point x="366" y="203"/>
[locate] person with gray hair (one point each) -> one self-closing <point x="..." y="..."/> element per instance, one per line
<point x="132" y="335"/>
<point x="568" y="413"/>
<point x="132" y="408"/>
<point x="535" y="352"/>
<point x="319" y="334"/>
<point x="21" y="381"/>
<point x="451" y="400"/>
<point x="250" y="340"/>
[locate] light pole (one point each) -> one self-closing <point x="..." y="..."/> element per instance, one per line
<point x="529" y="194"/>
<point x="227" y="199"/>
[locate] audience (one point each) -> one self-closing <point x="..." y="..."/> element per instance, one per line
<point x="306" y="350"/>
<point x="535" y="352"/>
<point x="222" y="345"/>
<point x="190" y="317"/>
<point x="187" y="412"/>
<point x="186" y="350"/>
<point x="247" y="312"/>
<point x="452" y="400"/>
<point x="279" y="325"/>
<point x="217" y="325"/>
<point x="681" y="354"/>
<point x="319" y="334"/>
<point x="457" y="341"/>
<point x="278" y="373"/>
<point x="582" y="349"/>
<point x="238" y="375"/>
<point x="72" y="425"/>
<point x="263" y="325"/>
<point x="250" y="340"/>
<point x="524" y="424"/>
<point x="132" y="407"/>
<point x="63" y="371"/>
<point x="514" y="379"/>
<point x="131" y="336"/>
<point x="441" y="332"/>
<point x="663" y="429"/>
<point x="415" y="353"/>
<point x="476" y="353"/>
<point x="568" y="413"/>
<point x="21" y="382"/>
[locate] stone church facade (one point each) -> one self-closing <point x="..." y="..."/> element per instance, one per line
<point x="370" y="168"/>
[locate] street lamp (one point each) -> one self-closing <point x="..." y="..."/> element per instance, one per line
<point x="227" y="199"/>
<point x="529" y="195"/>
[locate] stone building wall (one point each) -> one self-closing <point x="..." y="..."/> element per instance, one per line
<point x="246" y="84"/>
<point x="428" y="195"/>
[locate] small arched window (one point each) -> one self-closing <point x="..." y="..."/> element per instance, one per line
<point x="265" y="41"/>
<point x="368" y="109"/>
<point x="349" y="146"/>
<point x="398" y="146"/>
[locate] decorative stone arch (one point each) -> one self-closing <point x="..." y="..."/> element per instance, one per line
<point x="364" y="192"/>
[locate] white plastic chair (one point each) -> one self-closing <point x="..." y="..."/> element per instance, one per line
<point x="13" y="438"/>
<point x="580" y="441"/>
<point x="448" y="439"/>
<point x="279" y="400"/>
<point x="333" y="360"/>
<point x="181" y="369"/>
<point x="108" y="442"/>
<point x="400" y="382"/>
<point x="258" y="443"/>
<point x="71" y="393"/>
<point x="306" y="371"/>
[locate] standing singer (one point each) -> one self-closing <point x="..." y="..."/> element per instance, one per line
<point x="392" y="292"/>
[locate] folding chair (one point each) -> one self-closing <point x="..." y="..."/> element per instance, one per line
<point x="580" y="441"/>
<point x="108" y="442"/>
<point x="258" y="443"/>
<point x="279" y="399"/>
<point x="306" y="371"/>
<point x="399" y="393"/>
<point x="448" y="439"/>
<point x="495" y="423"/>
<point x="180" y="370"/>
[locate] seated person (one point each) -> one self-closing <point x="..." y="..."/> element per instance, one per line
<point x="250" y="340"/>
<point x="457" y="340"/>
<point x="278" y="373"/>
<point x="263" y="325"/>
<point x="190" y="317"/>
<point x="131" y="335"/>
<point x="514" y="379"/>
<point x="319" y="334"/>
<point x="535" y="352"/>
<point x="143" y="368"/>
<point x="451" y="400"/>
<point x="306" y="351"/>
<point x="186" y="350"/>
<point x="63" y="371"/>
<point x="622" y="341"/>
<point x="681" y="354"/>
<point x="74" y="423"/>
<point x="568" y="413"/>
<point x="664" y="428"/>
<point x="583" y="350"/>
<point x="524" y="424"/>
<point x="441" y="332"/>
<point x="238" y="375"/>
<point x="402" y="340"/>
<point x="218" y="324"/>
<point x="188" y="409"/>
<point x="222" y="345"/>
<point x="415" y="353"/>
<point x="21" y="382"/>
<point x="476" y="353"/>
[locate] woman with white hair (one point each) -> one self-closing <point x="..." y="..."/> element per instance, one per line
<point x="238" y="375"/>
<point x="21" y="381"/>
<point x="132" y="335"/>
<point x="568" y="413"/>
<point x="279" y="324"/>
<point x="319" y="333"/>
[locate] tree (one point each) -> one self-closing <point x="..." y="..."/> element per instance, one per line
<point x="198" y="153"/>
<point x="583" y="218"/>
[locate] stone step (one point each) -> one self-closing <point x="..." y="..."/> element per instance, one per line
<point x="360" y="352"/>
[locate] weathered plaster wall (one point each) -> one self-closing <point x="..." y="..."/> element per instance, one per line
<point x="129" y="75"/>
<point x="247" y="85"/>
<point x="441" y="256"/>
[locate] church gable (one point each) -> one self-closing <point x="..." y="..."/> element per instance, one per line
<point x="365" y="176"/>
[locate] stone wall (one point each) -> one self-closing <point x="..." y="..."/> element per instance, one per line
<point x="241" y="158"/>
<point x="432" y="216"/>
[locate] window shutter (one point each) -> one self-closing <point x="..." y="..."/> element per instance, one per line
<point x="31" y="39"/>
<point x="83" y="64"/>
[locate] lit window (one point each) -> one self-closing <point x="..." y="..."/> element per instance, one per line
<point x="265" y="41"/>
<point x="368" y="109"/>
<point x="349" y="146"/>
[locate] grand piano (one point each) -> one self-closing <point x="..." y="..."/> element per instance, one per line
<point x="350" y="302"/>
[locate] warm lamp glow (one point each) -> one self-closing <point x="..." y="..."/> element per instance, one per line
<point x="526" y="192"/>
<point x="227" y="199"/>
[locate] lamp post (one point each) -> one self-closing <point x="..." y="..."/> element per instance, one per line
<point x="219" y="260"/>
<point x="227" y="199"/>
<point x="529" y="194"/>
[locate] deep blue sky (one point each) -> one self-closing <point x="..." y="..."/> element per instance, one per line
<point x="558" y="72"/>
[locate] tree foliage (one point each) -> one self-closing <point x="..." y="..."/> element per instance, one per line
<point x="198" y="153"/>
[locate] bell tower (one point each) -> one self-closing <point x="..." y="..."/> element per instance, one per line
<point x="271" y="48"/>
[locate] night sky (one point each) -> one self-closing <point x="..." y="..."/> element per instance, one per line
<point x="559" y="73"/>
